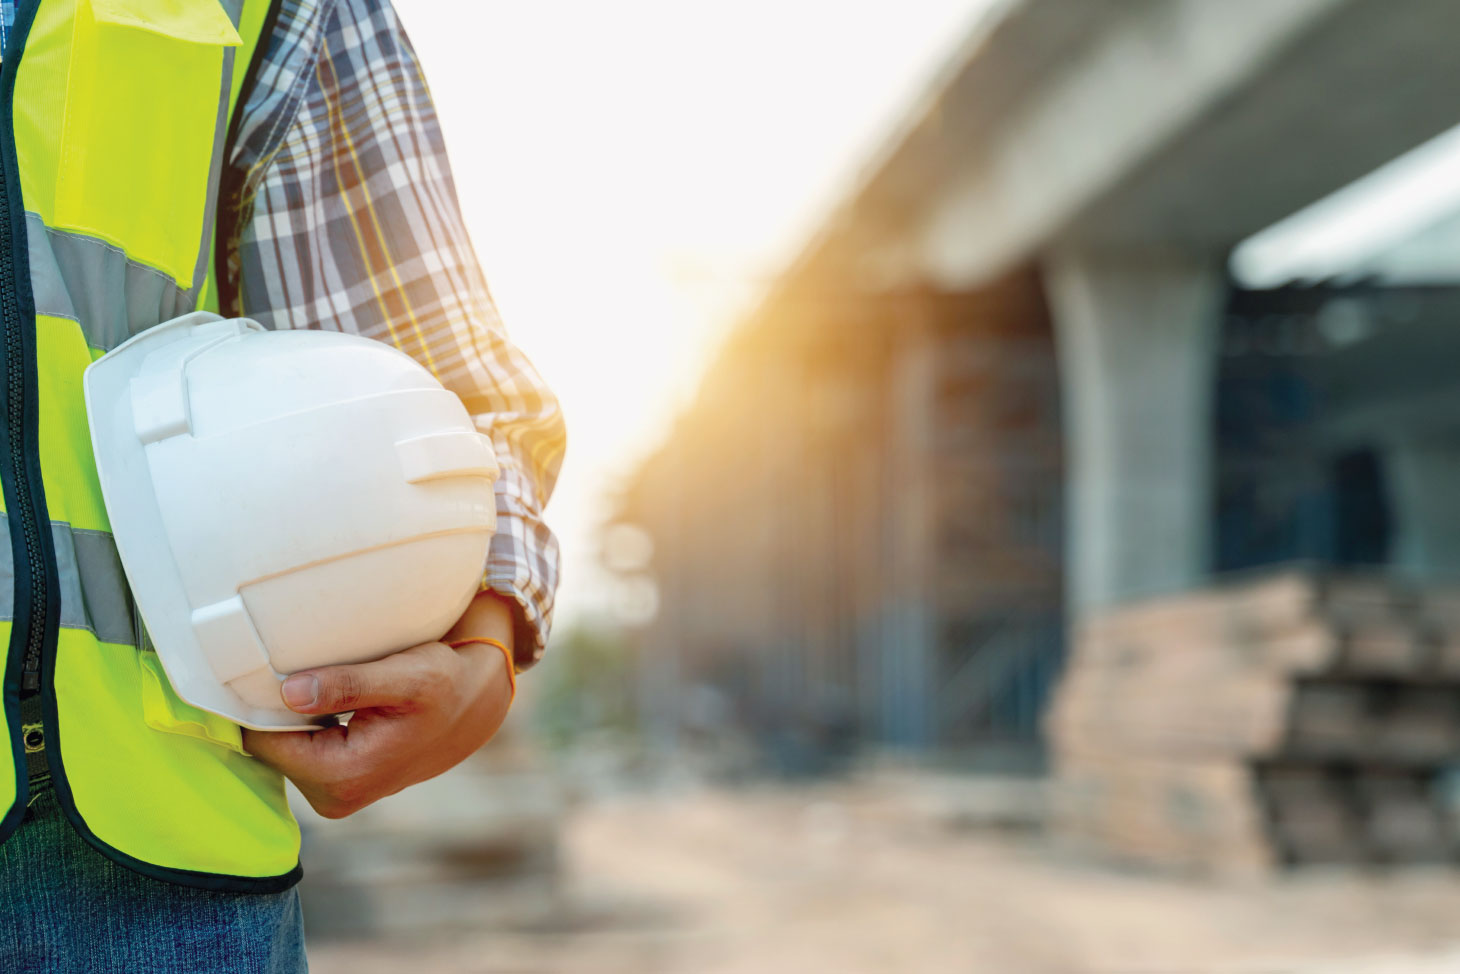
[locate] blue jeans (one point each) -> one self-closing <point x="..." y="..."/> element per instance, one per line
<point x="64" y="907"/>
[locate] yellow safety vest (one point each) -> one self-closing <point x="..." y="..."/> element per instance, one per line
<point x="115" y="119"/>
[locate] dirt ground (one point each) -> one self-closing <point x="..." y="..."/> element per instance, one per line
<point x="843" y="879"/>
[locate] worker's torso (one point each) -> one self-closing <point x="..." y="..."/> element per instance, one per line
<point x="114" y="119"/>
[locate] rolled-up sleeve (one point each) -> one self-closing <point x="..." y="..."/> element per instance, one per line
<point x="348" y="220"/>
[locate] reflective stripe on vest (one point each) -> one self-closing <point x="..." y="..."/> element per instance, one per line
<point x="94" y="593"/>
<point x="79" y="278"/>
<point x="115" y="114"/>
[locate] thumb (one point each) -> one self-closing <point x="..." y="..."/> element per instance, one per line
<point x="390" y="682"/>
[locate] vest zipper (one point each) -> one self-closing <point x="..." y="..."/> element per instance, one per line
<point x="31" y="549"/>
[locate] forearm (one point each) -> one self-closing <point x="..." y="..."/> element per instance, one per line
<point x="489" y="622"/>
<point x="489" y="616"/>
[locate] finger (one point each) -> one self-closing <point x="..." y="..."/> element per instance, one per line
<point x="341" y="769"/>
<point x="296" y="753"/>
<point x="398" y="682"/>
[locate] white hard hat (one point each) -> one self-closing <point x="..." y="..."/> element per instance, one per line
<point x="283" y="500"/>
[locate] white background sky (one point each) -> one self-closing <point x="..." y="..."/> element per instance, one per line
<point x="633" y="172"/>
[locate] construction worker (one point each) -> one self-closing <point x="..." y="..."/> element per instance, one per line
<point x="279" y="159"/>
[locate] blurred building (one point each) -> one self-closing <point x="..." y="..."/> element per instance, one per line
<point x="857" y="525"/>
<point x="1010" y="386"/>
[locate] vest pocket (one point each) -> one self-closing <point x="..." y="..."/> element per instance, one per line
<point x="144" y="108"/>
<point x="164" y="710"/>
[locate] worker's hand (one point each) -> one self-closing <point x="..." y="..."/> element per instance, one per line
<point x="417" y="713"/>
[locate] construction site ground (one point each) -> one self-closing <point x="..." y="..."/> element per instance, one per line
<point x="871" y="876"/>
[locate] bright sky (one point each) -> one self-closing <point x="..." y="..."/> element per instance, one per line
<point x="1356" y="227"/>
<point x="633" y="172"/>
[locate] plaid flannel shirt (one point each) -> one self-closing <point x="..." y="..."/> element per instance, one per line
<point x="348" y="220"/>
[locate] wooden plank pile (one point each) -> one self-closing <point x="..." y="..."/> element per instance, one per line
<point x="1290" y="719"/>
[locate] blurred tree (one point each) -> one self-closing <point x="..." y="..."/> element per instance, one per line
<point x="585" y="686"/>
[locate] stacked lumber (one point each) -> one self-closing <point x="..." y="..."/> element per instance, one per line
<point x="1289" y="719"/>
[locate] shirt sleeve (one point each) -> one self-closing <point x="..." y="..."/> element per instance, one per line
<point x="348" y="220"/>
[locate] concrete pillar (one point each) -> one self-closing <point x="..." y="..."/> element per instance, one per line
<point x="1423" y="480"/>
<point x="909" y="677"/>
<point x="1136" y="336"/>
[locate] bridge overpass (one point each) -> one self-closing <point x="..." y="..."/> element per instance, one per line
<point x="983" y="403"/>
<point x="1126" y="146"/>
